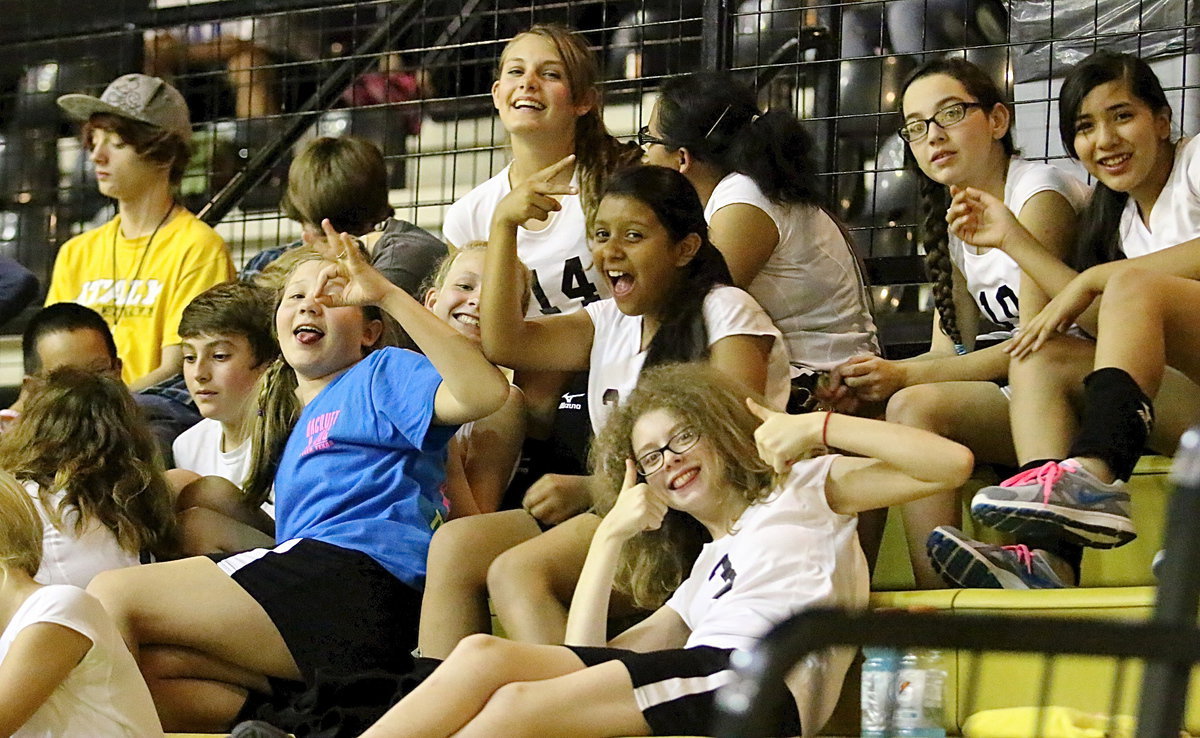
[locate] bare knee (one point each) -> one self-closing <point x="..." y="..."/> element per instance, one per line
<point x="179" y="479"/>
<point x="1062" y="361"/>
<point x="112" y="589"/>
<point x="518" y="572"/>
<point x="1133" y="291"/>
<point x="107" y="586"/>
<point x="455" y="554"/>
<point x="479" y="653"/>
<point x="515" y="709"/>
<point x="920" y="406"/>
<point x="215" y="493"/>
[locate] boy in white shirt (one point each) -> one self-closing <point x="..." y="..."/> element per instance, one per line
<point x="227" y="344"/>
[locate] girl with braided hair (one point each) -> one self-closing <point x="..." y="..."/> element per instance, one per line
<point x="957" y="127"/>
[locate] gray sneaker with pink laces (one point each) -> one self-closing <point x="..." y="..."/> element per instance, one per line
<point x="1058" y="500"/>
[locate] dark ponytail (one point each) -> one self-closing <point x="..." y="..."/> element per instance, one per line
<point x="717" y="119"/>
<point x="1099" y="239"/>
<point x="682" y="335"/>
<point x="935" y="197"/>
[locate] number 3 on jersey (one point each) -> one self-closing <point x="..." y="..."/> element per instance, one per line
<point x="575" y="286"/>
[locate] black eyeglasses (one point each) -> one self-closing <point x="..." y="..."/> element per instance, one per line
<point x="645" y="139"/>
<point x="651" y="461"/>
<point x="916" y="130"/>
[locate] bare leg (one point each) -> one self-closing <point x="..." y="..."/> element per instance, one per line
<point x="179" y="479"/>
<point x="973" y="413"/>
<point x="254" y="81"/>
<point x="455" y="601"/>
<point x="1176" y="408"/>
<point x="1047" y="387"/>
<point x="204" y="531"/>
<point x="461" y="690"/>
<point x="223" y="496"/>
<point x="193" y="691"/>
<point x="192" y="603"/>
<point x="531" y="585"/>
<point x="1147" y="321"/>
<point x="601" y="699"/>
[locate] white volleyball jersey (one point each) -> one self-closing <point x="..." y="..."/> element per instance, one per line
<point x="786" y="554"/>
<point x="564" y="276"/>
<point x="993" y="278"/>
<point x="1175" y="217"/>
<point x="617" y="356"/>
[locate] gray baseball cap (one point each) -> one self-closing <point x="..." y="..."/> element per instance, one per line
<point x="138" y="97"/>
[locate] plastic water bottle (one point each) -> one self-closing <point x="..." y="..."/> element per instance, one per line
<point x="920" y="695"/>
<point x="878" y="690"/>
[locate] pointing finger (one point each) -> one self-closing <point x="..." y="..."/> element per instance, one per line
<point x="554" y="169"/>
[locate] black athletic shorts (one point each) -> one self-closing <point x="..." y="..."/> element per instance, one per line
<point x="337" y="609"/>
<point x="675" y="689"/>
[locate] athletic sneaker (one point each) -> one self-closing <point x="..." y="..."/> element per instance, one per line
<point x="963" y="562"/>
<point x="1058" y="500"/>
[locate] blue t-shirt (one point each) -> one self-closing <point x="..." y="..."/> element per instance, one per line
<point x="364" y="467"/>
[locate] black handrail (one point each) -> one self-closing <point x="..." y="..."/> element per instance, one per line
<point x="1169" y="643"/>
<point x="747" y="707"/>
<point x="397" y="23"/>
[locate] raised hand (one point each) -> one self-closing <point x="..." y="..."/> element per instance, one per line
<point x="1056" y="318"/>
<point x="350" y="279"/>
<point x="638" y="508"/>
<point x="784" y="439"/>
<point x="534" y="199"/>
<point x="979" y="218"/>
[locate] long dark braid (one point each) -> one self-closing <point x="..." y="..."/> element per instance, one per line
<point x="932" y="232"/>
<point x="935" y="198"/>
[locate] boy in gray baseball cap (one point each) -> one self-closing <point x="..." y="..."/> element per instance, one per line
<point x="140" y="269"/>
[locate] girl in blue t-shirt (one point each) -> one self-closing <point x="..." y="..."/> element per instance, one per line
<point x="358" y="493"/>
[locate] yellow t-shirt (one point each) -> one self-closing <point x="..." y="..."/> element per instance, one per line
<point x="141" y="293"/>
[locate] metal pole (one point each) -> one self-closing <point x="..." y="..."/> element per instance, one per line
<point x="331" y="87"/>
<point x="1165" y="684"/>
<point x="715" y="36"/>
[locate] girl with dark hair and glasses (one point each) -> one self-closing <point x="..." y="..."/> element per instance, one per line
<point x="958" y="134"/>
<point x="766" y="213"/>
<point x="726" y="516"/>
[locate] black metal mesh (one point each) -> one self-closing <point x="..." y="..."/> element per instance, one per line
<point x="249" y="69"/>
